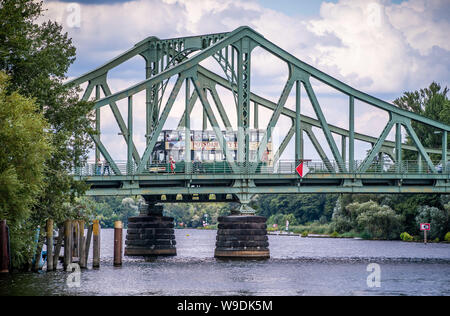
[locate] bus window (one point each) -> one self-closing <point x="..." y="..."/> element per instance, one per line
<point x="173" y="136"/>
<point x="160" y="157"/>
<point x="197" y="136"/>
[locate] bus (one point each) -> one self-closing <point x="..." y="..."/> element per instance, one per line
<point x="206" y="153"/>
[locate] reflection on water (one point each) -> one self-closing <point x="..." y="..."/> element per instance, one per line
<point x="298" y="266"/>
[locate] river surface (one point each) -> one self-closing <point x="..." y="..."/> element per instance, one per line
<point x="298" y="266"/>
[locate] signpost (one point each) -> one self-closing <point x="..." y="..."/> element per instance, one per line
<point x="425" y="227"/>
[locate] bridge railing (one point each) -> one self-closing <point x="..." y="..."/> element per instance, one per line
<point x="91" y="168"/>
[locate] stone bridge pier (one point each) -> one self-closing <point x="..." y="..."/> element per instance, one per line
<point x="242" y="235"/>
<point x="150" y="234"/>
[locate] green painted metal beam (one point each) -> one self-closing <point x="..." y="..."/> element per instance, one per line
<point x="171" y="58"/>
<point x="308" y="120"/>
<point x="212" y="120"/>
<point x="444" y="152"/>
<point x="130" y="163"/>
<point x="119" y="119"/>
<point x="161" y="122"/>
<point x="105" y="153"/>
<point x="292" y="189"/>
<point x="318" y="148"/>
<point x="324" y="125"/>
<point x="351" y="134"/>
<point x="274" y="118"/>
<point x="97" y="122"/>
<point x="338" y="85"/>
<point x="284" y="144"/>
<point x="187" y="125"/>
<point x="221" y="109"/>
<point x="192" y="100"/>
<point x="255" y="116"/>
<point x="420" y="147"/>
<point x="298" y="122"/>
<point x="377" y="146"/>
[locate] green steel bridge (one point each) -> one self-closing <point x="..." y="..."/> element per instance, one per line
<point x="238" y="178"/>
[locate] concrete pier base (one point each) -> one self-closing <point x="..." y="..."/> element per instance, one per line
<point x="242" y="237"/>
<point x="150" y="234"/>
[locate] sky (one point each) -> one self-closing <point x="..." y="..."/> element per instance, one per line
<point x="381" y="47"/>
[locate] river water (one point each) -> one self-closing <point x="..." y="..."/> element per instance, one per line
<point x="298" y="266"/>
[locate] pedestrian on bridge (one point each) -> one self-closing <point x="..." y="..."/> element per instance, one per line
<point x="106" y="167"/>
<point x="172" y="164"/>
<point x="98" y="167"/>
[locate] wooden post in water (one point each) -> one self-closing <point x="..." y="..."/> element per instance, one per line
<point x="67" y="243"/>
<point x="37" y="257"/>
<point x="96" y="232"/>
<point x="49" y="245"/>
<point x="58" y="246"/>
<point x="4" y="248"/>
<point x="118" y="228"/>
<point x="82" y="244"/>
<point x="75" y="230"/>
<point x="88" y="243"/>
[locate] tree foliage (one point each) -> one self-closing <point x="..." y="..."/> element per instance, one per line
<point x="36" y="57"/>
<point x="305" y="207"/>
<point x="369" y="219"/>
<point x="431" y="102"/>
<point x="437" y="217"/>
<point x="110" y="209"/>
<point x="193" y="215"/>
<point x="24" y="148"/>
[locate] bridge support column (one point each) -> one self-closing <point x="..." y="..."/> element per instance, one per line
<point x="242" y="236"/>
<point x="150" y="234"/>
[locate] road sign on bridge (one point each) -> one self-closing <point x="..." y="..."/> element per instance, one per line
<point x="302" y="169"/>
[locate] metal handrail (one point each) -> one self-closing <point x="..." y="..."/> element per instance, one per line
<point x="90" y="168"/>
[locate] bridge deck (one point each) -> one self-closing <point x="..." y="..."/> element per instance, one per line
<point x="282" y="178"/>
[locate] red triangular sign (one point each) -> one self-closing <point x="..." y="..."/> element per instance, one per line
<point x="302" y="169"/>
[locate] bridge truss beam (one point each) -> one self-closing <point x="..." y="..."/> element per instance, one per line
<point x="173" y="58"/>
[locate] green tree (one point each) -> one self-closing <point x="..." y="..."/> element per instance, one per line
<point x="128" y="208"/>
<point x="438" y="218"/>
<point x="305" y="207"/>
<point x="431" y="102"/>
<point x="378" y="221"/>
<point x="24" y="147"/>
<point x="37" y="57"/>
<point x="367" y="219"/>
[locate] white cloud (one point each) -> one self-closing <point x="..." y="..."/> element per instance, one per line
<point x="375" y="46"/>
<point x="420" y="24"/>
<point x="380" y="51"/>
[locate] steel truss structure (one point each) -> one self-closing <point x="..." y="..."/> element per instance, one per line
<point x="180" y="58"/>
